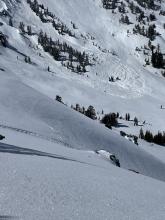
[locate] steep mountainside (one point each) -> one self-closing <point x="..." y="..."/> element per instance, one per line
<point x="102" y="53"/>
<point x="113" y="66"/>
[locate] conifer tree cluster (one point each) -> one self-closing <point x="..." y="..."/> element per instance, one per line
<point x="137" y="9"/>
<point x="69" y="57"/>
<point x="149" y="32"/>
<point x="162" y="12"/>
<point x="159" y="138"/>
<point x="3" y="40"/>
<point x="48" y="17"/>
<point x="27" y="60"/>
<point x="25" y="30"/>
<point x="147" y="4"/>
<point x="124" y="19"/>
<point x="157" y="58"/>
<point x="110" y="4"/>
<point x="127" y="117"/>
<point x="89" y="112"/>
<point x="110" y="120"/>
<point x="122" y="8"/>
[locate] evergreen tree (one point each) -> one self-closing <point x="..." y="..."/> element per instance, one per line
<point x="59" y="98"/>
<point x="10" y="22"/>
<point x="141" y="135"/>
<point x="22" y="27"/>
<point x="110" y="120"/>
<point x="158" y="138"/>
<point x="90" y="112"/>
<point x="135" y="121"/>
<point x="29" y="30"/>
<point x="148" y="136"/>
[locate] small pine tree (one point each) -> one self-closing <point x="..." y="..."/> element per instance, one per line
<point x="135" y="121"/>
<point x="29" y="60"/>
<point x="59" y="98"/>
<point x="10" y="22"/>
<point x="141" y="135"/>
<point x="29" y="30"/>
<point x="26" y="59"/>
<point x="78" y="107"/>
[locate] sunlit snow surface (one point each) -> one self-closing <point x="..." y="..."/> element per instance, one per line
<point x="49" y="168"/>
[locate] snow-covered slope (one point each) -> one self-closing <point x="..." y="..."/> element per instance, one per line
<point x="40" y="114"/>
<point x="41" y="187"/>
<point x="105" y="36"/>
<point x="48" y="162"/>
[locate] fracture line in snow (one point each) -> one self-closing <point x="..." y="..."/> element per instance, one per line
<point x="35" y="134"/>
<point x="27" y="151"/>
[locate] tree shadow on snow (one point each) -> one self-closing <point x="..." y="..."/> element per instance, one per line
<point x="120" y="125"/>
